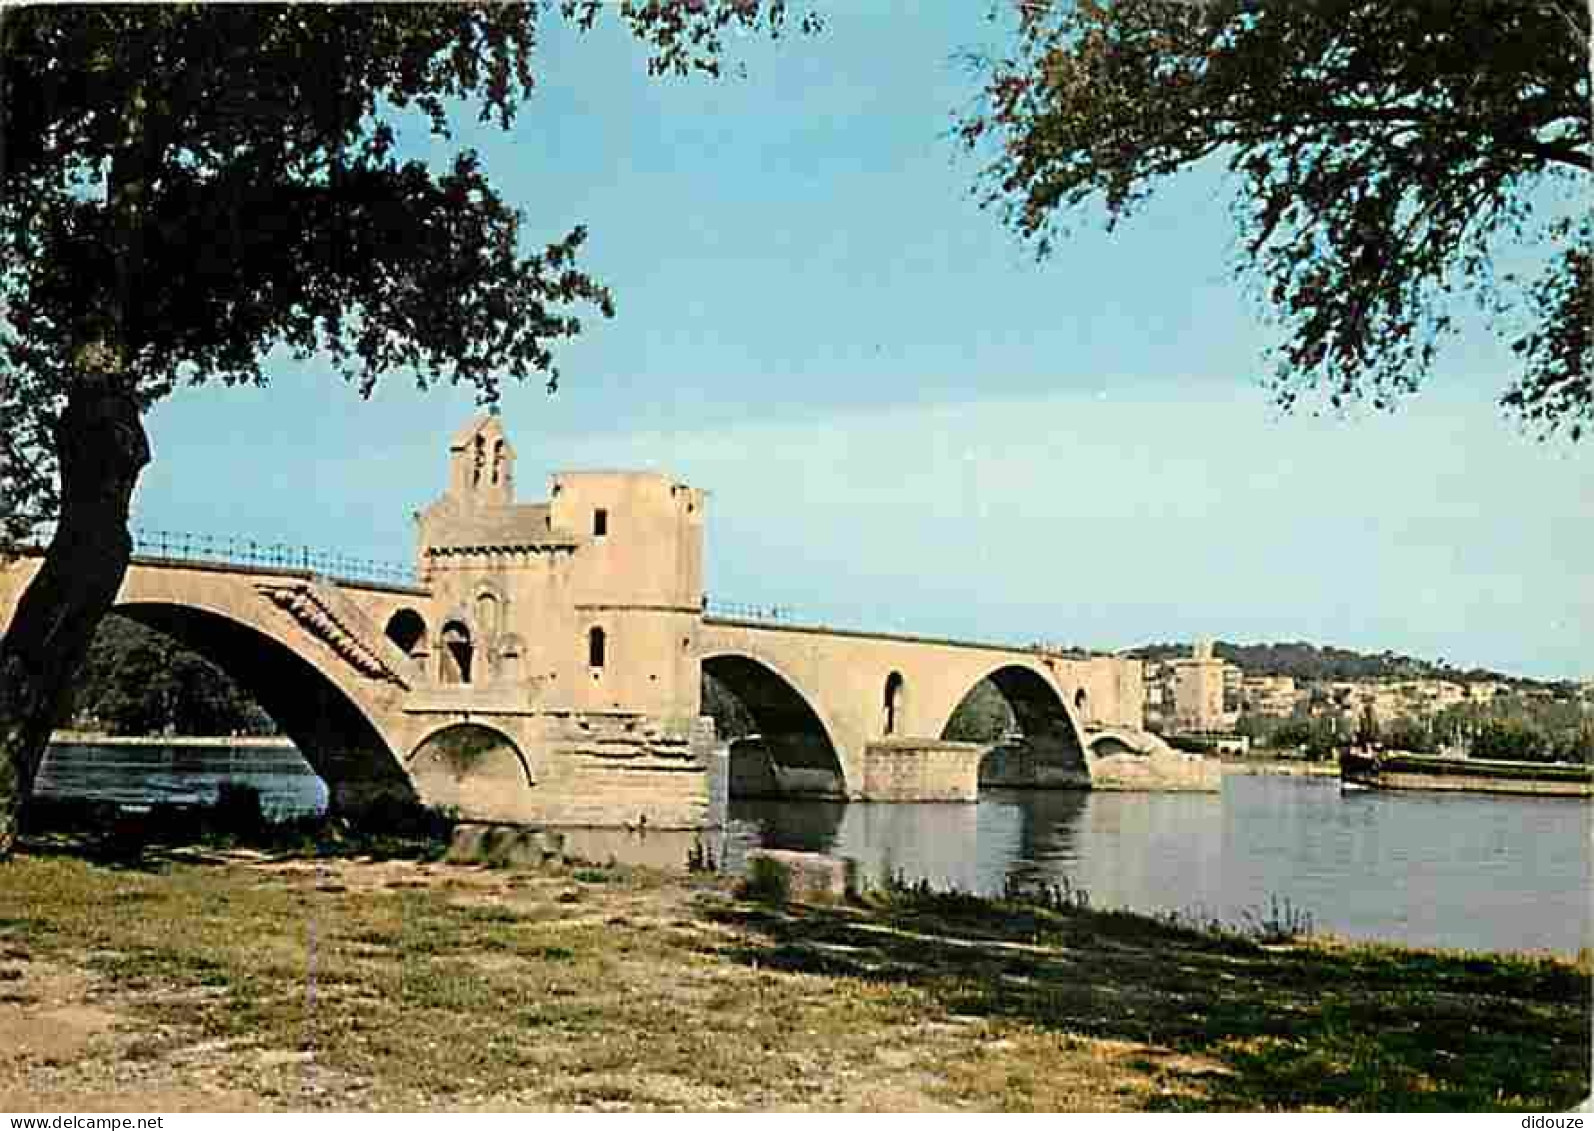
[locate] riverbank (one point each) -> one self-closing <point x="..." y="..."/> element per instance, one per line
<point x="234" y="981"/>
<point x="1284" y="767"/>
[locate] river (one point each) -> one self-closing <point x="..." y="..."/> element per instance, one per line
<point x="1452" y="870"/>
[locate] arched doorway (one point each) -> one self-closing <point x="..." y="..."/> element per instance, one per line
<point x="458" y="653"/>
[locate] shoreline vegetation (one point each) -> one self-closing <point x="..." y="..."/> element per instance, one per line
<point x="174" y="968"/>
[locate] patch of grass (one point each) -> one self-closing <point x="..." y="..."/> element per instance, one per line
<point x="1310" y="1025"/>
<point x="416" y="987"/>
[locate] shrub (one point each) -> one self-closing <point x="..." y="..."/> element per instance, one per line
<point x="767" y="881"/>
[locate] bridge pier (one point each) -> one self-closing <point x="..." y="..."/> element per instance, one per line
<point x="921" y="769"/>
<point x="904" y="769"/>
<point x="571" y="769"/>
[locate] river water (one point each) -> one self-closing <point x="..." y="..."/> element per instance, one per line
<point x="1431" y="869"/>
<point x="142" y="772"/>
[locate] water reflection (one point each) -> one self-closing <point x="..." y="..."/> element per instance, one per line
<point x="1030" y="835"/>
<point x="1493" y="873"/>
<point x="1460" y="870"/>
<point x="181" y="773"/>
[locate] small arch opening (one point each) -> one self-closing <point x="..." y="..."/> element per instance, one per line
<point x="457" y="653"/>
<point x="597" y="647"/>
<point x="474" y="769"/>
<point x="893" y="703"/>
<point x="406" y="629"/>
<point x="487" y="615"/>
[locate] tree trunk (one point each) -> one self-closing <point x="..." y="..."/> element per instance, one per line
<point x="102" y="448"/>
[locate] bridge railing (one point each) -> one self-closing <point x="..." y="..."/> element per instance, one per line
<point x="740" y="610"/>
<point x="226" y="549"/>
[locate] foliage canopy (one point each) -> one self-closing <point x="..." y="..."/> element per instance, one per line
<point x="1384" y="154"/>
<point x="185" y="186"/>
<point x="140" y="682"/>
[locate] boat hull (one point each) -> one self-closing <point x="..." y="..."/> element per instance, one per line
<point x="1364" y="770"/>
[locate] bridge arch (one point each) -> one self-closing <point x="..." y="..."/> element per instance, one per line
<point x="312" y="703"/>
<point x="472" y="767"/>
<point x="1049" y="748"/>
<point x="795" y="752"/>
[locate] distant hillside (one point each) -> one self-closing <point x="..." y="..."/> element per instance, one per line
<point x="1309" y="661"/>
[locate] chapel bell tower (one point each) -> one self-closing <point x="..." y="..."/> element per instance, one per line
<point x="481" y="465"/>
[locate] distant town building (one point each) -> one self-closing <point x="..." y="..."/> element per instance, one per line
<point x="1203" y="694"/>
<point x="1187" y="693"/>
<point x="1273" y="695"/>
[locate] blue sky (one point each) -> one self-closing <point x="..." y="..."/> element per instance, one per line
<point x="903" y="420"/>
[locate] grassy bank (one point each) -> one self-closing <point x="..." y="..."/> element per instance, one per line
<point x="199" y="980"/>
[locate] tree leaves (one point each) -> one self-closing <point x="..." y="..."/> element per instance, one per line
<point x="1384" y="155"/>
<point x="137" y="681"/>
<point x="1557" y="385"/>
<point x="182" y="187"/>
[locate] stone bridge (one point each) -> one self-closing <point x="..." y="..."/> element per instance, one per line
<point x="545" y="664"/>
<point x="865" y="716"/>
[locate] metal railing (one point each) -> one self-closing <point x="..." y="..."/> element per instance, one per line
<point x="229" y="549"/>
<point x="226" y="549"/>
<point x="739" y="610"/>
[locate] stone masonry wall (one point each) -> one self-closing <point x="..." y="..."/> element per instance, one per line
<point x="921" y="770"/>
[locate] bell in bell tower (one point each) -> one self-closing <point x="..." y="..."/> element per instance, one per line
<point x="482" y="464"/>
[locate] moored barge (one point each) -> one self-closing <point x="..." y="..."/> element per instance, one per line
<point x="1400" y="770"/>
